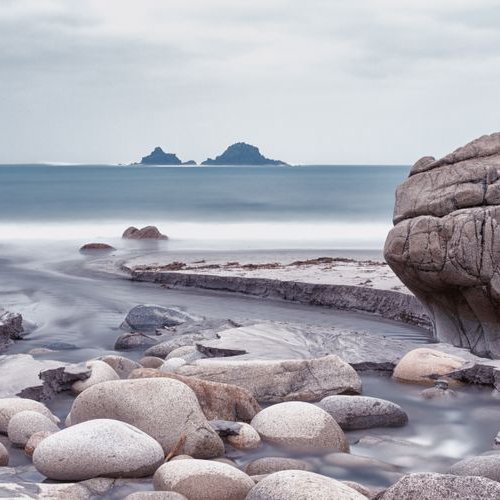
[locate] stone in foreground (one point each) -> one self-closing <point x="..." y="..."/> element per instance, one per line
<point x="277" y="381"/>
<point x="166" y="409"/>
<point x="203" y="480"/>
<point x="300" y="426"/>
<point x="445" y="245"/>
<point x="100" y="447"/>
<point x="295" y="484"/>
<point x="432" y="486"/>
<point x="363" y="412"/>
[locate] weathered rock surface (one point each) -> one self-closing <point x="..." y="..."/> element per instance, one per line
<point x="11" y="327"/>
<point x="164" y="408"/>
<point x="159" y="157"/>
<point x="241" y="153"/>
<point x="24" y="424"/>
<point x="131" y="341"/>
<point x="425" y="366"/>
<point x="121" y="365"/>
<point x="277" y="381"/>
<point x="269" y="465"/>
<point x="10" y="406"/>
<point x="445" y="245"/>
<point x="290" y="484"/>
<point x="100" y="372"/>
<point x="483" y="465"/>
<point x="431" y="486"/>
<point x="4" y="456"/>
<point x="363" y="412"/>
<point x="218" y="401"/>
<point x="100" y="447"/>
<point x="203" y="480"/>
<point x="145" y="233"/>
<point x="148" y="318"/>
<point x="299" y="426"/>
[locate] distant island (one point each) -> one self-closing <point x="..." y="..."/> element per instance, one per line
<point x="159" y="157"/>
<point x="242" y="154"/>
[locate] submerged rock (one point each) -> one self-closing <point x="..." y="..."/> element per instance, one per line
<point x="290" y="484"/>
<point x="218" y="401"/>
<point x="100" y="447"/>
<point x="440" y="390"/>
<point x="299" y="426"/>
<point x="277" y="381"/>
<point x="96" y="247"/>
<point x="203" y="480"/>
<point x="431" y="486"/>
<point x="425" y="366"/>
<point x="134" y="341"/>
<point x="445" y="245"/>
<point x="148" y="318"/>
<point x="268" y="465"/>
<point x="145" y="233"/>
<point x="166" y="409"/>
<point x="363" y="412"/>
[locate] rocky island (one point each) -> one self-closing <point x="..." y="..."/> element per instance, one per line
<point x="159" y="157"/>
<point x="242" y="154"/>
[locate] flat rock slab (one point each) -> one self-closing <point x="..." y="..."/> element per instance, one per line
<point x="281" y="380"/>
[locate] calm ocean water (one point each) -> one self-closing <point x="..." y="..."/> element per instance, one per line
<point x="313" y="207"/>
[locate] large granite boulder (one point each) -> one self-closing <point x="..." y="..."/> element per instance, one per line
<point x="445" y="245"/>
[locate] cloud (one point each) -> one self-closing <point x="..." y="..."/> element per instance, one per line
<point x="313" y="81"/>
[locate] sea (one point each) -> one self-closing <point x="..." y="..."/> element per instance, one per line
<point x="225" y="208"/>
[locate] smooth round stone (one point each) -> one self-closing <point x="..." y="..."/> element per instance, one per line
<point x="186" y="352"/>
<point x="97" y="448"/>
<point x="164" y="408"/>
<point x="434" y="486"/>
<point x="101" y="372"/>
<point x="483" y="465"/>
<point x="296" y="484"/>
<point x="25" y="423"/>
<point x="170" y="365"/>
<point x="10" y="406"/>
<point x="203" y="480"/>
<point x="247" y="439"/>
<point x="35" y="439"/>
<point x="299" y="426"/>
<point x="269" y="465"/>
<point x="363" y="412"/>
<point x="155" y="495"/>
<point x="4" y="456"/>
<point x="151" y="362"/>
<point x="120" y="364"/>
<point x="180" y="457"/>
<point x="422" y="365"/>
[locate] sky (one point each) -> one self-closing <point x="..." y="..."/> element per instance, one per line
<point x="310" y="82"/>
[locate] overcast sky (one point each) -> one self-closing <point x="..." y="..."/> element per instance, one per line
<point x="316" y="81"/>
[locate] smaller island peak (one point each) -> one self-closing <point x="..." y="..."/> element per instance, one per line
<point x="159" y="157"/>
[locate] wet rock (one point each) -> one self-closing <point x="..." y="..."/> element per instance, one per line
<point x="299" y="426"/>
<point x="349" y="461"/>
<point x="247" y="438"/>
<point x="148" y="318"/>
<point x="425" y="366"/>
<point x="445" y="243"/>
<point x="134" y="341"/>
<point x="39" y="351"/>
<point x="225" y="428"/>
<point x="145" y="233"/>
<point x="61" y="379"/>
<point x="4" y="456"/>
<point x="363" y="412"/>
<point x="149" y="404"/>
<point x="100" y="372"/>
<point x="218" y="401"/>
<point x="96" y="448"/>
<point x="60" y="346"/>
<point x="277" y="381"/>
<point x="11" y="406"/>
<point x="483" y="465"/>
<point x="289" y="484"/>
<point x="155" y="495"/>
<point x="121" y="365"/>
<point x="269" y="465"/>
<point x="439" y="391"/>
<point x="35" y="439"/>
<point x="11" y="327"/>
<point x="96" y="247"/>
<point x="431" y="486"/>
<point x="151" y="362"/>
<point x="24" y="424"/>
<point x="203" y="480"/>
